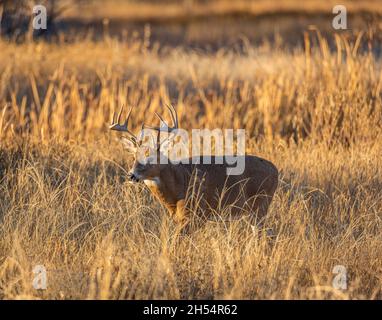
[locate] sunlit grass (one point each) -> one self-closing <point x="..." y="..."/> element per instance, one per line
<point x="65" y="202"/>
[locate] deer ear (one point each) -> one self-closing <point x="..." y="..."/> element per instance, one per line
<point x="128" y="145"/>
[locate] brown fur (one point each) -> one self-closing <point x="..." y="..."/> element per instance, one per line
<point x="182" y="185"/>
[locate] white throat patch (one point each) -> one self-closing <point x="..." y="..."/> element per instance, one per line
<point x="152" y="182"/>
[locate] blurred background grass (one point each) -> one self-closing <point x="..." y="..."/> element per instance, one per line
<point x="308" y="96"/>
<point x="186" y="22"/>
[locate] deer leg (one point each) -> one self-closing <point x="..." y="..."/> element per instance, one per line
<point x="183" y="219"/>
<point x="180" y="216"/>
<point x="258" y="213"/>
<point x="259" y="206"/>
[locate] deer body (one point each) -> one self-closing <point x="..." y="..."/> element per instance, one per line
<point x="250" y="192"/>
<point x="195" y="186"/>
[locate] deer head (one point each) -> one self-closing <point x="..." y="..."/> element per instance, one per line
<point x="146" y="159"/>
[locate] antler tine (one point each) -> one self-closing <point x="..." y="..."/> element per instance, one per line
<point x="174" y="115"/>
<point x="118" y="127"/>
<point x="157" y="128"/>
<point x="114" y="119"/>
<point x="161" y="119"/>
<point x="174" y="119"/>
<point x="120" y="114"/>
<point x="127" y="118"/>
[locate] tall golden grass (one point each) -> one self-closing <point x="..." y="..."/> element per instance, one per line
<point x="65" y="202"/>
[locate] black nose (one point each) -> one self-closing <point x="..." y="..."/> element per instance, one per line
<point x="132" y="177"/>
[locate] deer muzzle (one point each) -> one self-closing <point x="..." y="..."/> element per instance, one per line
<point x="133" y="177"/>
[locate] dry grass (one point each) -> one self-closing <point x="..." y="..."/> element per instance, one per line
<point x="64" y="201"/>
<point x="189" y="9"/>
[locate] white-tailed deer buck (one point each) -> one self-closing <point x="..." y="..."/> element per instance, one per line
<point x="200" y="190"/>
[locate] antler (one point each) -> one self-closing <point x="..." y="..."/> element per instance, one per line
<point x="115" y="125"/>
<point x="164" y="127"/>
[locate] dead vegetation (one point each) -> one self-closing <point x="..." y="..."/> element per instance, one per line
<point x="65" y="203"/>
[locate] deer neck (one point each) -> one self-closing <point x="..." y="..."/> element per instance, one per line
<point x="167" y="184"/>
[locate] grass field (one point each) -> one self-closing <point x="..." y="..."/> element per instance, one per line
<point x="65" y="202"/>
